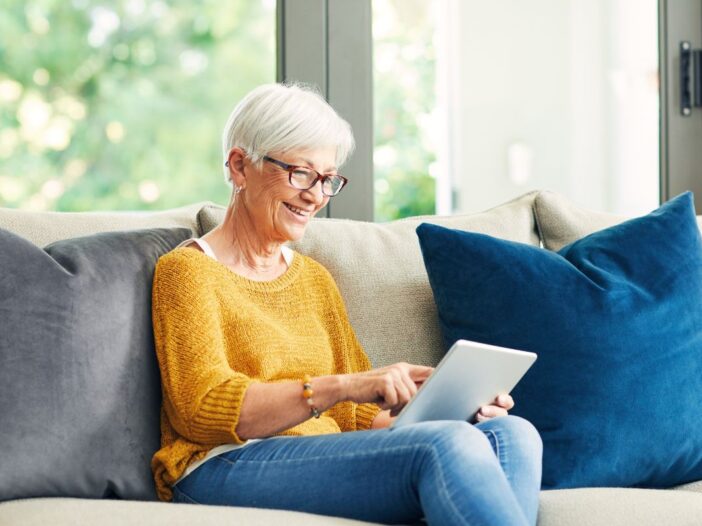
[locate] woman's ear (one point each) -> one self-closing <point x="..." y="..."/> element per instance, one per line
<point x="235" y="163"/>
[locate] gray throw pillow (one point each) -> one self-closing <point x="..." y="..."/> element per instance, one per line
<point x="79" y="382"/>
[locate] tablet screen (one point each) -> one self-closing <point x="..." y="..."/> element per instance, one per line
<point x="469" y="376"/>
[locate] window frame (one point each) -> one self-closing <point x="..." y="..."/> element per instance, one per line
<point x="328" y="43"/>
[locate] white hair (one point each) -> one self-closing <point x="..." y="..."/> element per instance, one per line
<point x="276" y="118"/>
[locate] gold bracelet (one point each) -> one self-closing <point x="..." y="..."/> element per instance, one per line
<point x="307" y="393"/>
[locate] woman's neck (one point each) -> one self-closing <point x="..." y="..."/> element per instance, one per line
<point x="237" y="244"/>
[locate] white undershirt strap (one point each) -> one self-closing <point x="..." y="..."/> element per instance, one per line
<point x="288" y="253"/>
<point x="205" y="246"/>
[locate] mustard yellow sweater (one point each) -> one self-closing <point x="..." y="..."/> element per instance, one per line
<point x="217" y="332"/>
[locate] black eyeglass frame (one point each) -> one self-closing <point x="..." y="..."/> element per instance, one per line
<point x="290" y="168"/>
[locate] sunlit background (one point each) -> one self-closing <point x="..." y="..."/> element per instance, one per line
<point x="120" y="104"/>
<point x="478" y="102"/>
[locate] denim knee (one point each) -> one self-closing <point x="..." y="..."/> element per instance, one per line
<point x="449" y="439"/>
<point x="519" y="431"/>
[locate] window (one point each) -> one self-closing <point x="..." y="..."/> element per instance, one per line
<point x="405" y="120"/>
<point x="120" y="105"/>
<point x="477" y="102"/>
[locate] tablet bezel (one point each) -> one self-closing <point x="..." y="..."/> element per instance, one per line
<point x="501" y="369"/>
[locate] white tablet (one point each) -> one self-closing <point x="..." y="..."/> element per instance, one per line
<point x="470" y="376"/>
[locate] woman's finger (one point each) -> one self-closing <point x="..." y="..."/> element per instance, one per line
<point x="403" y="394"/>
<point x="389" y="393"/>
<point x="479" y="417"/>
<point x="504" y="400"/>
<point x="410" y="385"/>
<point x="420" y="372"/>
<point x="402" y="388"/>
<point x="492" y="411"/>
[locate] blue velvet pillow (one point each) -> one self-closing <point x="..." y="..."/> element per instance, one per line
<point x="616" y="319"/>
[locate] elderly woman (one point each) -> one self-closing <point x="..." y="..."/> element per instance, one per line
<point x="268" y="398"/>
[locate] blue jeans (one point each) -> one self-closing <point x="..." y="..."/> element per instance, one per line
<point x="448" y="472"/>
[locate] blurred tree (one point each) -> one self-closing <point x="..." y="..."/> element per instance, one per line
<point x="404" y="101"/>
<point x="120" y="104"/>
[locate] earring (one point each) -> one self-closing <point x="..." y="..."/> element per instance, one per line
<point x="238" y="189"/>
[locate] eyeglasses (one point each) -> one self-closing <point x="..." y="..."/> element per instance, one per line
<point x="304" y="178"/>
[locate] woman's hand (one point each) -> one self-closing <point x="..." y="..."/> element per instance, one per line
<point x="499" y="407"/>
<point x="390" y="387"/>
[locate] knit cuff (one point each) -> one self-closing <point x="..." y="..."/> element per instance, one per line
<point x="218" y="414"/>
<point x="365" y="413"/>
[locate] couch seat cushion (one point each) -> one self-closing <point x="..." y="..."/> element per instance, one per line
<point x="619" y="507"/>
<point x="79" y="383"/>
<point x="89" y="512"/>
<point x="691" y="486"/>
<point x="615" y="319"/>
<point x="378" y="268"/>
<point x="572" y="507"/>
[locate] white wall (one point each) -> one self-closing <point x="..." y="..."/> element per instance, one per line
<point x="549" y="94"/>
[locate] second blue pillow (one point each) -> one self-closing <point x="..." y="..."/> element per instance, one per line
<point x="616" y="319"/>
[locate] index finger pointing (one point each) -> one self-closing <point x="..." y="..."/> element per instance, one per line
<point x="420" y="371"/>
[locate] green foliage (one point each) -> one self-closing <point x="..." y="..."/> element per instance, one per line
<point x="120" y="104"/>
<point x="404" y="97"/>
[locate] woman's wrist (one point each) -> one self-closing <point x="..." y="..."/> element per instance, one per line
<point x="342" y="387"/>
<point x="329" y="390"/>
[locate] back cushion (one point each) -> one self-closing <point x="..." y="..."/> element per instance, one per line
<point x="379" y="270"/>
<point x="79" y="382"/>
<point x="42" y="228"/>
<point x="560" y="221"/>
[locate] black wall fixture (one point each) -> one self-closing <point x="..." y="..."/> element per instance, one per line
<point x="690" y="78"/>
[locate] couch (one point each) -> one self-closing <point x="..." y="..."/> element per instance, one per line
<point x="380" y="273"/>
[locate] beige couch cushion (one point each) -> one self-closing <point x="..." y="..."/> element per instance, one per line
<point x="85" y="512"/>
<point x="560" y="221"/>
<point x="380" y="272"/>
<point x="692" y="486"/>
<point x="619" y="507"/>
<point x="42" y="228"/>
<point x="572" y="507"/>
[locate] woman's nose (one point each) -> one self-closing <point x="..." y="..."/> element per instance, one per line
<point x="314" y="194"/>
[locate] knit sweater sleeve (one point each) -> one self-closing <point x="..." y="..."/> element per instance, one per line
<point x="202" y="394"/>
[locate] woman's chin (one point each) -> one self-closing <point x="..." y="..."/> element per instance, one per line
<point x="287" y="231"/>
<point x="295" y="233"/>
<point x="292" y="228"/>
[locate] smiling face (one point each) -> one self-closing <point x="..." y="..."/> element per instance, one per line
<point x="281" y="212"/>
